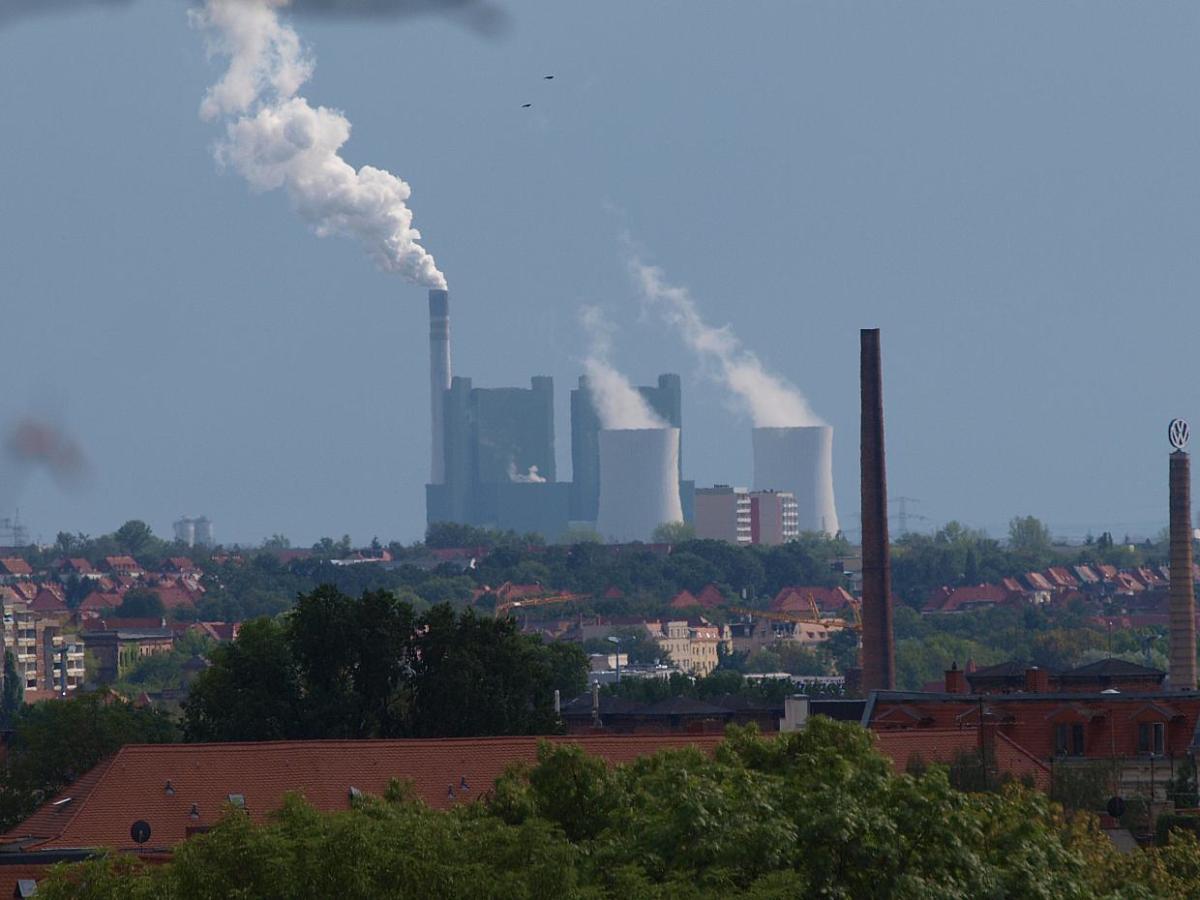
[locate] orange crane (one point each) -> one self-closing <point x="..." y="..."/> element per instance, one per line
<point x="503" y="609"/>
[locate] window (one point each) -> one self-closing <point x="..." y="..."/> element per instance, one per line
<point x="1068" y="739"/>
<point x="1152" y="738"/>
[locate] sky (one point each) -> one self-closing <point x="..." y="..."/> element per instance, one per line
<point x="1008" y="191"/>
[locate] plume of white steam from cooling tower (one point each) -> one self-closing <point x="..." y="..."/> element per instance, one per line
<point x="770" y="400"/>
<point x="275" y="139"/>
<point x="618" y="404"/>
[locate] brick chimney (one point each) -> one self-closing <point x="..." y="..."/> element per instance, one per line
<point x="956" y="680"/>
<point x="878" y="652"/>
<point x="1037" y="681"/>
<point x="1182" y="644"/>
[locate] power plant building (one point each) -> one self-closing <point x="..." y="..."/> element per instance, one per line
<point x="499" y="459"/>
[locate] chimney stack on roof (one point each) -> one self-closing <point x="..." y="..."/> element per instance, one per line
<point x="1037" y="681"/>
<point x="878" y="652"/>
<point x="956" y="680"/>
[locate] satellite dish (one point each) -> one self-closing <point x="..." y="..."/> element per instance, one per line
<point x="1115" y="807"/>
<point x="140" y="832"/>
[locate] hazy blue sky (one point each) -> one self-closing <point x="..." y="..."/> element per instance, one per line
<point x="1008" y="190"/>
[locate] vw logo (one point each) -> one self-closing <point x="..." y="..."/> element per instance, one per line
<point x="1177" y="433"/>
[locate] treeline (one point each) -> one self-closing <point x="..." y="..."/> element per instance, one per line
<point x="343" y="667"/>
<point x="811" y="814"/>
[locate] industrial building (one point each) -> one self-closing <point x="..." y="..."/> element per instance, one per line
<point x="493" y="461"/>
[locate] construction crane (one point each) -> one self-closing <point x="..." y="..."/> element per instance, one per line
<point x="796" y="618"/>
<point x="503" y="609"/>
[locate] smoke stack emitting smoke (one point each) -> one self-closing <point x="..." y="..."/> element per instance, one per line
<point x="771" y="401"/>
<point x="618" y="404"/>
<point x="274" y="139"/>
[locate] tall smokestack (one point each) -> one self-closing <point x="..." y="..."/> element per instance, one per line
<point x="1183" y="600"/>
<point x="879" y="660"/>
<point x="439" y="378"/>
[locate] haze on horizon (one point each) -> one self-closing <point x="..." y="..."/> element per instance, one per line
<point x="1009" y="194"/>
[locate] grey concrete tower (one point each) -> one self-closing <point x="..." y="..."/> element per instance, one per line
<point x="1183" y="600"/>
<point x="439" y="380"/>
<point x="878" y="652"/>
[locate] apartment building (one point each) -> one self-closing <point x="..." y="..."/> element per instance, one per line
<point x="691" y="645"/>
<point x="741" y="516"/>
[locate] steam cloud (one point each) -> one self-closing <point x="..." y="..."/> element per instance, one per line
<point x="771" y="401"/>
<point x="483" y="17"/>
<point x="617" y="402"/>
<point x="275" y="139"/>
<point x="530" y="477"/>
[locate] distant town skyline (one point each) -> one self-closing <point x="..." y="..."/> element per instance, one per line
<point x="1008" y="198"/>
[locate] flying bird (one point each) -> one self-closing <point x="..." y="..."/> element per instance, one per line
<point x="548" y="77"/>
<point x="526" y="105"/>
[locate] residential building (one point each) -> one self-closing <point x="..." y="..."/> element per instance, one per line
<point x="1054" y="721"/>
<point x="741" y="516"/>
<point x="691" y="645"/>
<point x="723" y="514"/>
<point x="118" y="650"/>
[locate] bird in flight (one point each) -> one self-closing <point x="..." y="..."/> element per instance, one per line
<point x="548" y="77"/>
<point x="526" y="105"/>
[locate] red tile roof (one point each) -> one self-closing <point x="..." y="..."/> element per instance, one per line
<point x="684" y="600"/>
<point x="175" y="596"/>
<point x="133" y="784"/>
<point x="15" y="566"/>
<point x="969" y="596"/>
<point x="48" y="601"/>
<point x="930" y="745"/>
<point x="795" y="599"/>
<point x="98" y="600"/>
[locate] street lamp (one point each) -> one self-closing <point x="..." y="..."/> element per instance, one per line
<point x="616" y="640"/>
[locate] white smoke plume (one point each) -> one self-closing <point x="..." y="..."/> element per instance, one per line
<point x="530" y="477"/>
<point x="275" y="139"/>
<point x="618" y="403"/>
<point x="771" y="401"/>
<point x="481" y="16"/>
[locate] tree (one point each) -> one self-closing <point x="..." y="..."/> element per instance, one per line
<point x="54" y="743"/>
<point x="14" y="688"/>
<point x="353" y="658"/>
<point x="251" y="692"/>
<point x="140" y="603"/>
<point x="134" y="537"/>
<point x="477" y="676"/>
<point x="673" y="533"/>
<point x="1029" y="538"/>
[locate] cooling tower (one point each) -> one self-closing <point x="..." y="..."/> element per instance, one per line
<point x="439" y="380"/>
<point x="799" y="460"/>
<point x="639" y="482"/>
